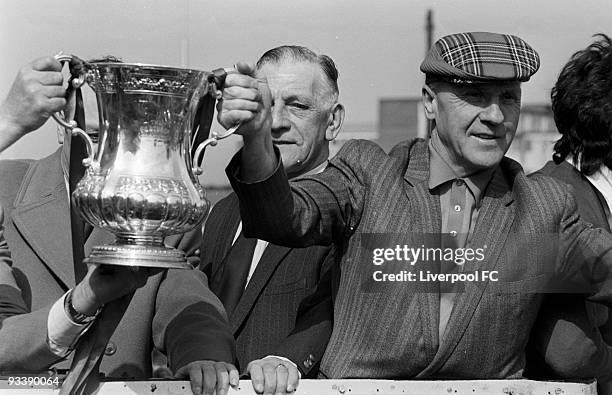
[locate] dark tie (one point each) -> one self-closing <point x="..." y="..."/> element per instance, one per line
<point x="76" y="170"/>
<point x="236" y="266"/>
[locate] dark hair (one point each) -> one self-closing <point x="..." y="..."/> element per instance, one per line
<point x="296" y="52"/>
<point x="582" y="107"/>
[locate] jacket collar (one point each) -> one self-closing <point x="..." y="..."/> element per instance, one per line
<point x="41" y="205"/>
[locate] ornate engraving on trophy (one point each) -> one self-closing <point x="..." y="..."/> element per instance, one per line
<point x="140" y="184"/>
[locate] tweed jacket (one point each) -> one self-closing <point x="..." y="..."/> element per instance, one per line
<point x="528" y="229"/>
<point x="174" y="312"/>
<point x="285" y="280"/>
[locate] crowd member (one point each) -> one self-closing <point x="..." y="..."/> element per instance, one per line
<point x="569" y="333"/>
<point x="457" y="190"/>
<point x="49" y="300"/>
<point x="261" y="285"/>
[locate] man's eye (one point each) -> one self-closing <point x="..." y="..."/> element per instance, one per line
<point x="511" y="97"/>
<point x="474" y="94"/>
<point x="299" y="106"/>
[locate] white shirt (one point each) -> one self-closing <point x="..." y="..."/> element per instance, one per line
<point x="62" y="332"/>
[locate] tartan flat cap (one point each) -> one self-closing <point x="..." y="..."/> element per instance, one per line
<point x="480" y="57"/>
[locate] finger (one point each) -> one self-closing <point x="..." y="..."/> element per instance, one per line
<point x="163" y="372"/>
<point x="234" y="377"/>
<point x="238" y="92"/>
<point x="293" y="378"/>
<point x="181" y="373"/>
<point x="47" y="63"/>
<point x="56" y="104"/>
<point x="241" y="80"/>
<point x="50" y="77"/>
<point x="52" y="91"/>
<point x="234" y="117"/>
<point x="281" y="379"/>
<point x="209" y="380"/>
<point x="257" y="376"/>
<point x="244" y="68"/>
<point x="241" y="105"/>
<point x="269" y="371"/>
<point x="195" y="380"/>
<point x="222" y="378"/>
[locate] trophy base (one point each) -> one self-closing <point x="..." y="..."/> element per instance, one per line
<point x="138" y="255"/>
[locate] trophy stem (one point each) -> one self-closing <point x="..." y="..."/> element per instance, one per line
<point x="131" y="250"/>
<point x="142" y="240"/>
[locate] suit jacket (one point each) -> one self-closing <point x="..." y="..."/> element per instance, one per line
<point x="175" y="311"/>
<point x="527" y="229"/>
<point x="565" y="334"/>
<point x="285" y="280"/>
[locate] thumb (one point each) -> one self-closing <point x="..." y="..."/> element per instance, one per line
<point x="245" y="68"/>
<point x="181" y="373"/>
<point x="163" y="372"/>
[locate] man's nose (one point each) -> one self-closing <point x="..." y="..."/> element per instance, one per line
<point x="280" y="120"/>
<point x="492" y="113"/>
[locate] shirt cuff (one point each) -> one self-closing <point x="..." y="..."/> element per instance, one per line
<point x="62" y="332"/>
<point x="286" y="360"/>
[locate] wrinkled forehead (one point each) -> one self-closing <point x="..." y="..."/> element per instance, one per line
<point x="293" y="78"/>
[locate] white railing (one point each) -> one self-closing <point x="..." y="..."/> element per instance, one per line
<point x="342" y="387"/>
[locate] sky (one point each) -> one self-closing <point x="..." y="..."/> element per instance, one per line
<point x="376" y="44"/>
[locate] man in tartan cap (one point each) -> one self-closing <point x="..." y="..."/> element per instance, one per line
<point x="504" y="236"/>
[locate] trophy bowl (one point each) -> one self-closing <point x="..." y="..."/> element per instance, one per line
<point x="140" y="182"/>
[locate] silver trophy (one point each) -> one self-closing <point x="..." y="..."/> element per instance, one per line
<point x="140" y="183"/>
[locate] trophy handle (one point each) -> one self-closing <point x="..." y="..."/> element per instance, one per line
<point x="72" y="125"/>
<point x="212" y="140"/>
<point x="216" y="80"/>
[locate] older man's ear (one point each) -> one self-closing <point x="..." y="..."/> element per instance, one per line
<point x="429" y="102"/>
<point x="336" y="119"/>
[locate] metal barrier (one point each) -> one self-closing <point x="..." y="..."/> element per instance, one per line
<point x="339" y="387"/>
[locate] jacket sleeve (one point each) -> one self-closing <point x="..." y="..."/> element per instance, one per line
<point x="23" y="334"/>
<point x="585" y="259"/>
<point x="315" y="209"/>
<point x="190" y="323"/>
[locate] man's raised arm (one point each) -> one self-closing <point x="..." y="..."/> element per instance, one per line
<point x="246" y="101"/>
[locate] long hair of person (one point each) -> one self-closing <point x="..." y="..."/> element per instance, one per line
<point x="582" y="107"/>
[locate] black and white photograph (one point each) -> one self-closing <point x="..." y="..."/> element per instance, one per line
<point x="273" y="197"/>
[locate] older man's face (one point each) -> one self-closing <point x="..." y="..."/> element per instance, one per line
<point x="476" y="122"/>
<point x="300" y="113"/>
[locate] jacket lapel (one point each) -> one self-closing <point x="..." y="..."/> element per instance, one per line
<point x="226" y="218"/>
<point x="492" y="228"/>
<point x="271" y="258"/>
<point x="428" y="221"/>
<point x="42" y="204"/>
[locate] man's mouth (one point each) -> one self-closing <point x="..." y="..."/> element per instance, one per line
<point x="281" y="142"/>
<point x="485" y="136"/>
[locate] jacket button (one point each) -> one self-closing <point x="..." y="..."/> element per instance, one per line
<point x="111" y="349"/>
<point x="308" y="362"/>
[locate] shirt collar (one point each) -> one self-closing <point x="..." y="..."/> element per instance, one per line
<point x="440" y="170"/>
<point x="317" y="169"/>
